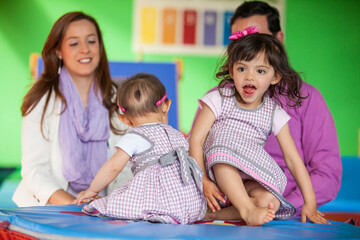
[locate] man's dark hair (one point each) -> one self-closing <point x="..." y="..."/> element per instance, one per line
<point x="248" y="9"/>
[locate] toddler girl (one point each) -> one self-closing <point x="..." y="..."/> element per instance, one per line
<point x="233" y="127"/>
<point x="167" y="183"/>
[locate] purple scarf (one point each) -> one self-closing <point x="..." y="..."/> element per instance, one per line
<point x="83" y="134"/>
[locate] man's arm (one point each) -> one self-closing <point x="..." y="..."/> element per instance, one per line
<point x="314" y="133"/>
<point x="321" y="149"/>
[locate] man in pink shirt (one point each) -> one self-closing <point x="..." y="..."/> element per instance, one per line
<point x="311" y="125"/>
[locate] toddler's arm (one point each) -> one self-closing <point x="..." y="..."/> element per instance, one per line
<point x="197" y="138"/>
<point x="299" y="172"/>
<point x="106" y="175"/>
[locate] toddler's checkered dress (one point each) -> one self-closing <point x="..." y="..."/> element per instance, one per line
<point x="167" y="183"/>
<point x="237" y="138"/>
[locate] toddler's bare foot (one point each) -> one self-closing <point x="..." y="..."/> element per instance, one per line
<point x="259" y="216"/>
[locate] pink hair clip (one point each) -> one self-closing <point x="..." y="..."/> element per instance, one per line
<point x="161" y="100"/>
<point x="121" y="108"/>
<point x="239" y="34"/>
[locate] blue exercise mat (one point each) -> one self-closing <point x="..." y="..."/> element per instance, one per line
<point x="68" y="221"/>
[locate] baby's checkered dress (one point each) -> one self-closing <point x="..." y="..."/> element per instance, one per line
<point x="167" y="183"/>
<point x="237" y="138"/>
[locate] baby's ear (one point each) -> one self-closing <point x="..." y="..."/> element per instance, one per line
<point x="165" y="106"/>
<point x="125" y="119"/>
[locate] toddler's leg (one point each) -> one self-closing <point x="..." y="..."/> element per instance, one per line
<point x="261" y="196"/>
<point x="231" y="184"/>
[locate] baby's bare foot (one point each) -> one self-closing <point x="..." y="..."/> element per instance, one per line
<point x="209" y="214"/>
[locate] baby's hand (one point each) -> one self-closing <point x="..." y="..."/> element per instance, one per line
<point x="212" y="194"/>
<point x="84" y="196"/>
<point x="313" y="215"/>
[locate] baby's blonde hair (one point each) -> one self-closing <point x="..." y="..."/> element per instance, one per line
<point x="138" y="95"/>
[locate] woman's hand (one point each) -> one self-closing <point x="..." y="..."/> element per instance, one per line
<point x="312" y="214"/>
<point x="212" y="194"/>
<point x="86" y="196"/>
<point x="60" y="197"/>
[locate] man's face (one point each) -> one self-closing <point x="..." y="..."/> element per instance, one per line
<point x="260" y="21"/>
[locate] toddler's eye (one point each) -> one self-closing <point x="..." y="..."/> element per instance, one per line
<point x="241" y="69"/>
<point x="261" y="71"/>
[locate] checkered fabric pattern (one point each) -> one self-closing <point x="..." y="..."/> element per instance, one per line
<point x="237" y="138"/>
<point x="157" y="193"/>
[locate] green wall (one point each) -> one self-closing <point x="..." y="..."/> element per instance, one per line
<point x="322" y="39"/>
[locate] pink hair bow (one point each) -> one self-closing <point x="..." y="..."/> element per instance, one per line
<point x="161" y="100"/>
<point x="121" y="108"/>
<point x="239" y="34"/>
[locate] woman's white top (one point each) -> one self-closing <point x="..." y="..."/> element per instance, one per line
<point x="41" y="160"/>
